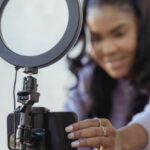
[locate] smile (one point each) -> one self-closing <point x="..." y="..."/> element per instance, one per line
<point x="115" y="63"/>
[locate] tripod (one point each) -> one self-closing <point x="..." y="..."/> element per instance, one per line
<point x="36" y="127"/>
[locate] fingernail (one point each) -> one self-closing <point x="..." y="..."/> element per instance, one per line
<point x="71" y="135"/>
<point x="69" y="128"/>
<point x="75" y="144"/>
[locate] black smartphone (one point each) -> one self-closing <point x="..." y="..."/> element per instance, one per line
<point x="52" y="123"/>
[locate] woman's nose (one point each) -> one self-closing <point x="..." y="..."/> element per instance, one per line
<point x="108" y="47"/>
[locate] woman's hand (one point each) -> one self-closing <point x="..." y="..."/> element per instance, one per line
<point x="93" y="133"/>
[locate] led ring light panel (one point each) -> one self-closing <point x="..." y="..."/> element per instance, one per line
<point x="53" y="54"/>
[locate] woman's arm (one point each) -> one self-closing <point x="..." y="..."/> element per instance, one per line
<point x="132" y="137"/>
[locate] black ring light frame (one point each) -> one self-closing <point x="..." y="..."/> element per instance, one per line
<point x="59" y="50"/>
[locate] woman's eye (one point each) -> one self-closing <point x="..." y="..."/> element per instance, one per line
<point x="95" y="39"/>
<point x="119" y="34"/>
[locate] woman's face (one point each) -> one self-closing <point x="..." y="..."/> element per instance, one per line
<point x="114" y="39"/>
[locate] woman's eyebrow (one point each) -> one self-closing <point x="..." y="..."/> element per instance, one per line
<point x="95" y="34"/>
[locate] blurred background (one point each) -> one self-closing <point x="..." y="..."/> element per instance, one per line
<point x="54" y="80"/>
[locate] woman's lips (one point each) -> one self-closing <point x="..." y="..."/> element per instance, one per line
<point x="115" y="63"/>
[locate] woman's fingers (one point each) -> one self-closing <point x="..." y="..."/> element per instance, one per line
<point x="92" y="133"/>
<point x="94" y="142"/>
<point x="86" y="124"/>
<point x="82" y="124"/>
<point x="85" y="133"/>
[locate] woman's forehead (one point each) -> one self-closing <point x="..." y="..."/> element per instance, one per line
<point x="107" y="13"/>
<point x="109" y="16"/>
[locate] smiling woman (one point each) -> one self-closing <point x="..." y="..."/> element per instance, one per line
<point x="113" y="77"/>
<point x="114" y="39"/>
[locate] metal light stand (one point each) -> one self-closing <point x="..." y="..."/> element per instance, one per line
<point x="26" y="137"/>
<point x="36" y="127"/>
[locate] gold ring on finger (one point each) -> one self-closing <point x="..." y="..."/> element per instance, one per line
<point x="99" y="122"/>
<point x="104" y="131"/>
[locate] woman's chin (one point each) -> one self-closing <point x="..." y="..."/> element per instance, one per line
<point x="117" y="74"/>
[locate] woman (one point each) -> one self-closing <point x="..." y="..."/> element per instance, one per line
<point x="120" y="38"/>
<point x="104" y="91"/>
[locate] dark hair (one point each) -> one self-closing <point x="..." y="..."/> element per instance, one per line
<point x="102" y="84"/>
<point x="141" y="68"/>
